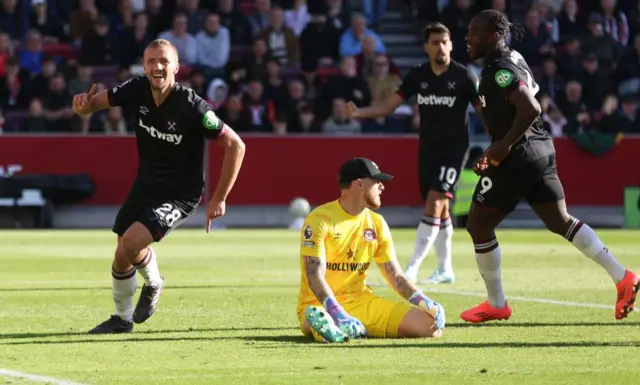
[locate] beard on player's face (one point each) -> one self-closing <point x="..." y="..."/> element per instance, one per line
<point x="372" y="195"/>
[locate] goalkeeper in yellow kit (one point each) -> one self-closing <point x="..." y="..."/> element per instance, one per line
<point x="338" y="242"/>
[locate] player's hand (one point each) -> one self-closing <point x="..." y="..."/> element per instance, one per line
<point x="497" y="151"/>
<point x="83" y="103"/>
<point x="350" y="110"/>
<point x="350" y="326"/>
<point x="215" y="208"/>
<point x="430" y="306"/>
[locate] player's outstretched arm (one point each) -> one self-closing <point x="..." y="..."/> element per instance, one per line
<point x="234" y="149"/>
<point x="89" y="102"/>
<point x="376" y="111"/>
<point x="398" y="281"/>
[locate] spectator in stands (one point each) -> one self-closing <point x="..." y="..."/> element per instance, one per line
<point x="214" y="47"/>
<point x="280" y="126"/>
<point x="49" y="26"/>
<point x="382" y="85"/>
<point x="551" y="83"/>
<point x="604" y="46"/>
<point x="338" y="122"/>
<point x="274" y="85"/>
<point x="548" y="19"/>
<point x="196" y="17"/>
<point x="31" y="54"/>
<point x="351" y="40"/>
<point x="258" y="109"/>
<point x="84" y="79"/>
<point x="626" y="76"/>
<point x="282" y="42"/>
<point x="259" y="19"/>
<point x="199" y="84"/>
<point x="231" y="113"/>
<point x="307" y="122"/>
<point x="3" y="122"/>
<point x="122" y="17"/>
<point x="348" y="85"/>
<point x="624" y="120"/>
<point x="536" y="42"/>
<point x="615" y="22"/>
<point x="335" y="14"/>
<point x="373" y="10"/>
<point x="159" y="19"/>
<point x="456" y="17"/>
<point x="365" y="61"/>
<point x="217" y="93"/>
<point x="552" y="118"/>
<point x="14" y="19"/>
<point x="236" y="22"/>
<point x="101" y="47"/>
<point x="569" y="59"/>
<point x="14" y="86"/>
<point x="36" y="120"/>
<point x="6" y="51"/>
<point x="595" y="82"/>
<point x="574" y="109"/>
<point x="39" y="84"/>
<point x="57" y="106"/>
<point x="298" y="17"/>
<point x="570" y="21"/>
<point x="114" y="122"/>
<point x="185" y="43"/>
<point x="318" y="43"/>
<point x="134" y="39"/>
<point x="82" y="19"/>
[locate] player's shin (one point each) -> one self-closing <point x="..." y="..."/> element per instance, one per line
<point x="425" y="237"/>
<point x="148" y="268"/>
<point x="443" y="245"/>
<point x="586" y="240"/>
<point x="124" y="285"/>
<point x="489" y="258"/>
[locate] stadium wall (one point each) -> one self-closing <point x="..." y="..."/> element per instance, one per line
<point x="278" y="169"/>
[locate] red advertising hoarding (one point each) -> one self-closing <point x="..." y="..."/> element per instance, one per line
<point x="277" y="169"/>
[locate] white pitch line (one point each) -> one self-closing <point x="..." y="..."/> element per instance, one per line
<point x="36" y="378"/>
<point x="515" y="298"/>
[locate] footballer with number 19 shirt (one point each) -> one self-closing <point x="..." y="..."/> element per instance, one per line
<point x="443" y="89"/>
<point x="171" y="125"/>
<point x="520" y="164"/>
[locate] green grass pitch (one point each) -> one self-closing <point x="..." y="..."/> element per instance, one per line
<point x="227" y="315"/>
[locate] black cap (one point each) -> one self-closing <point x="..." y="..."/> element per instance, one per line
<point x="357" y="168"/>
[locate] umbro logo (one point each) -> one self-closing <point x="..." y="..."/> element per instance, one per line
<point x="143" y="110"/>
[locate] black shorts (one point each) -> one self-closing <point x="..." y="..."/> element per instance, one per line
<point x="440" y="171"/>
<point x="159" y="216"/>
<point x="504" y="187"/>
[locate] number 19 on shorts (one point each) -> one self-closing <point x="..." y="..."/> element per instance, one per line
<point x="168" y="213"/>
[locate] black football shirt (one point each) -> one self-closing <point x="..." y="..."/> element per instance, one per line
<point x="443" y="102"/>
<point x="504" y="71"/>
<point x="170" y="137"/>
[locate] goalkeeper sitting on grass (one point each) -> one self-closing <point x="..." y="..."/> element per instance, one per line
<point x="338" y="242"/>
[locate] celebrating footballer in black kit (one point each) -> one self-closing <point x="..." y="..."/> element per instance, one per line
<point x="443" y="89"/>
<point x="520" y="164"/>
<point x="172" y="124"/>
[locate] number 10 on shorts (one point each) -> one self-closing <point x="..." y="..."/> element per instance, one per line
<point x="168" y="213"/>
<point x="448" y="174"/>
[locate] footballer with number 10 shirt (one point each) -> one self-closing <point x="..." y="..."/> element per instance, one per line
<point x="171" y="125"/>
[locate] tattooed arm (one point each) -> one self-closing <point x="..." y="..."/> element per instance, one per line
<point x="315" y="268"/>
<point x="396" y="279"/>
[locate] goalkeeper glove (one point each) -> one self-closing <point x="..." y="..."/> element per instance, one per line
<point x="349" y="325"/>
<point x="430" y="306"/>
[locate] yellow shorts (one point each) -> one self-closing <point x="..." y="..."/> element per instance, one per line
<point x="380" y="316"/>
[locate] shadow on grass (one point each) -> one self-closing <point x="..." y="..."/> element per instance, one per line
<point x="180" y="287"/>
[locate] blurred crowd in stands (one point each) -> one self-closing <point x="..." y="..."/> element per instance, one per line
<point x="288" y="66"/>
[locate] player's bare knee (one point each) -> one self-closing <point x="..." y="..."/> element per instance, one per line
<point x="418" y="324"/>
<point x="435" y="204"/>
<point x="134" y="243"/>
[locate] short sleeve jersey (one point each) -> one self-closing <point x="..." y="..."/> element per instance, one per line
<point x="443" y="101"/>
<point x="170" y="137"/>
<point x="505" y="71"/>
<point x="348" y="244"/>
